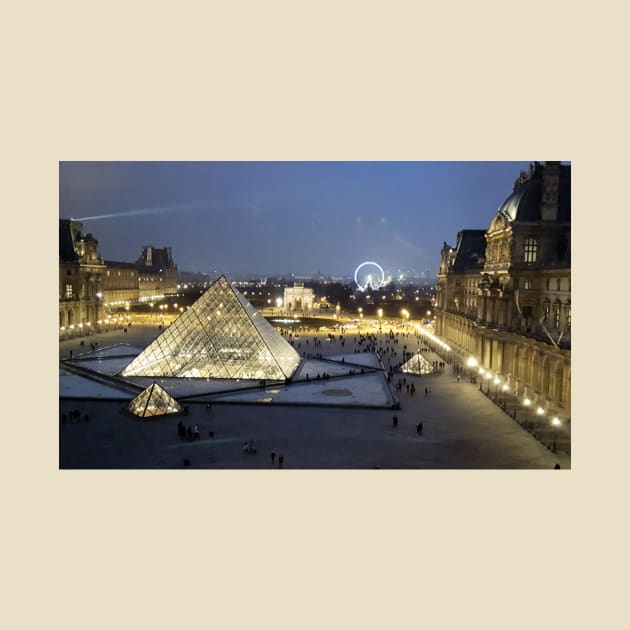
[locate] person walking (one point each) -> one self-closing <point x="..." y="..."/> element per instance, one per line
<point x="273" y="458"/>
<point x="419" y="428"/>
<point x="280" y="461"/>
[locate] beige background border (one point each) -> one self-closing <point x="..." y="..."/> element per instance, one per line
<point x="327" y="80"/>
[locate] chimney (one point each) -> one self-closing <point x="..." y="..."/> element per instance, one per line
<point x="550" y="187"/>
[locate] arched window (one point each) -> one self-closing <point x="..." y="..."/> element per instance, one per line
<point x="529" y="252"/>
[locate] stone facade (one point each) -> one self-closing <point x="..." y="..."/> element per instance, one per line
<point x="120" y="283"/>
<point x="298" y="298"/>
<point x="81" y="272"/>
<point x="504" y="295"/>
<point x="88" y="285"/>
<point x="157" y="273"/>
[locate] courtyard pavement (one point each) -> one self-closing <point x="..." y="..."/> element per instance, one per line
<point x="462" y="428"/>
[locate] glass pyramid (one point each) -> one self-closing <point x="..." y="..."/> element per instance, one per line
<point x="417" y="365"/>
<point x="220" y="336"/>
<point x="154" y="401"/>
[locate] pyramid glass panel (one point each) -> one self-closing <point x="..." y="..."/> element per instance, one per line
<point x="220" y="336"/>
<point x="154" y="401"/>
<point x="417" y="365"/>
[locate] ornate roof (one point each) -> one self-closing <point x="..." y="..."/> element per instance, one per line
<point x="525" y="203"/>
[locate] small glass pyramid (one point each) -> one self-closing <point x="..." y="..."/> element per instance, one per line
<point x="154" y="401"/>
<point x="220" y="336"/>
<point x="417" y="365"/>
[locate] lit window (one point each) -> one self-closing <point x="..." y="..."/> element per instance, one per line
<point x="68" y="291"/>
<point x="525" y="284"/>
<point x="546" y="311"/>
<point x="530" y="250"/>
<point x="556" y="315"/>
<point x="567" y="310"/>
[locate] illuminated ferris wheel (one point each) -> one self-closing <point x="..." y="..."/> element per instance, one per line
<point x="369" y="275"/>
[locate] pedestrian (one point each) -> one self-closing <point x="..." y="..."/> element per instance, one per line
<point x="458" y="378"/>
<point x="273" y="458"/>
<point x="395" y="421"/>
<point x="419" y="427"/>
<point x="196" y="434"/>
<point x="280" y="461"/>
<point x="426" y="392"/>
<point x="556" y="467"/>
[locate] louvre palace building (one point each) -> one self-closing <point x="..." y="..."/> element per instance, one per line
<point x="504" y="294"/>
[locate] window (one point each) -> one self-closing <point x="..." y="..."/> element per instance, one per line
<point x="546" y="311"/>
<point x="525" y="285"/>
<point x="68" y="291"/>
<point x="556" y="315"/>
<point x="530" y="250"/>
<point x="567" y="312"/>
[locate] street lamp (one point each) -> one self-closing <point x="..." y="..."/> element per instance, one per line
<point x="472" y="364"/>
<point x="497" y="382"/>
<point x="380" y="315"/>
<point x="527" y="402"/>
<point x="555" y="423"/>
<point x="504" y="389"/>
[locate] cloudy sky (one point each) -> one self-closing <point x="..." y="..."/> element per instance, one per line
<point x="281" y="217"/>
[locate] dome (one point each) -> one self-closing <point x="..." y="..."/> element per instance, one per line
<point x="525" y="203"/>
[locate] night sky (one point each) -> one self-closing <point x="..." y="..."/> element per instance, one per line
<point x="284" y="217"/>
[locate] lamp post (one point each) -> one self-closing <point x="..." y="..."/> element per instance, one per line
<point x="555" y="423"/>
<point x="540" y="411"/>
<point x="380" y="315"/>
<point x="504" y="389"/>
<point x="497" y="382"/>
<point x="481" y="373"/>
<point x="527" y="402"/>
<point x="405" y="315"/>
<point x="471" y="363"/>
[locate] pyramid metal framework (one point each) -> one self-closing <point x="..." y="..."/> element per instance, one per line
<point x="417" y="365"/>
<point x="154" y="401"/>
<point x="220" y="336"/>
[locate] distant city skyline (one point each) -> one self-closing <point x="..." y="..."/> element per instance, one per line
<point x="284" y="217"/>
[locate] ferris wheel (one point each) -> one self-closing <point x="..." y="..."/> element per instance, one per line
<point x="369" y="275"/>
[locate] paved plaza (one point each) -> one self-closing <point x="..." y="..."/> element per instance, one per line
<point x="461" y="427"/>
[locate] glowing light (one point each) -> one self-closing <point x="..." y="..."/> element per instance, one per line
<point x="505" y="387"/>
<point x="556" y="422"/>
<point x="434" y="339"/>
<point x="472" y="362"/>
<point x="527" y="402"/>
<point x="496" y="381"/>
<point x="369" y="281"/>
<point x="540" y="411"/>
